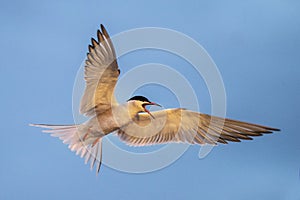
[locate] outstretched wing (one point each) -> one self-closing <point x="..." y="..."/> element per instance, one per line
<point x="179" y="125"/>
<point x="101" y="75"/>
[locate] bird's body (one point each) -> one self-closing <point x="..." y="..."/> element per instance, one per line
<point x="131" y="121"/>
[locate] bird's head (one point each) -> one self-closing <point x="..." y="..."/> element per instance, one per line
<point x="141" y="102"/>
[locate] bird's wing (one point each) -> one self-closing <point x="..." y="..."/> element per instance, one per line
<point x="179" y="125"/>
<point x="101" y="75"/>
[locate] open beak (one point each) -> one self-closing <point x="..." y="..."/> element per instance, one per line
<point x="150" y="104"/>
<point x="154" y="104"/>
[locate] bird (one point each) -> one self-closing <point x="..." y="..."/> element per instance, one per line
<point x="132" y="121"/>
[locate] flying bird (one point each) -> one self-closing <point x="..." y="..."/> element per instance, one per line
<point x="132" y="121"/>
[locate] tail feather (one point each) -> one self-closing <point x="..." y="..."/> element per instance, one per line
<point x="73" y="136"/>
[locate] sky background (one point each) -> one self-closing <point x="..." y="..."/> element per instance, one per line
<point x="255" y="45"/>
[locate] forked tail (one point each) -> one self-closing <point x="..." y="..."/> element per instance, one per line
<point x="79" y="140"/>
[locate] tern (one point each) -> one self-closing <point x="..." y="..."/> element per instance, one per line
<point x="132" y="121"/>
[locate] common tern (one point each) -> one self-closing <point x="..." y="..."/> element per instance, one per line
<point x="132" y="121"/>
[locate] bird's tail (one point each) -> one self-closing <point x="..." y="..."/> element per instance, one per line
<point x="79" y="140"/>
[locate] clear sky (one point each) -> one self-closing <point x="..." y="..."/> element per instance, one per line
<point x="255" y="45"/>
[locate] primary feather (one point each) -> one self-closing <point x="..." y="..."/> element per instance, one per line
<point x="180" y="125"/>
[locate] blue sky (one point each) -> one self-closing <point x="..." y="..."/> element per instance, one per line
<point x="255" y="45"/>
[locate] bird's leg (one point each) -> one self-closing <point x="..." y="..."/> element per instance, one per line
<point x="95" y="142"/>
<point x="85" y="136"/>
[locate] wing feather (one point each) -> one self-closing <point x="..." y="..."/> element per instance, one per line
<point x="101" y="75"/>
<point x="180" y="125"/>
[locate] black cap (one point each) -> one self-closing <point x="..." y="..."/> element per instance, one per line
<point x="139" y="98"/>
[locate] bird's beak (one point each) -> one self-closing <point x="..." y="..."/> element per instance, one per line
<point x="154" y="104"/>
<point x="150" y="104"/>
<point x="149" y="113"/>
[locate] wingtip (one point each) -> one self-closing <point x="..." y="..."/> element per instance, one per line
<point x="276" y="129"/>
<point x="104" y="31"/>
<point x="90" y="47"/>
<point x="94" y="42"/>
<point x="271" y="130"/>
<point x="98" y="34"/>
